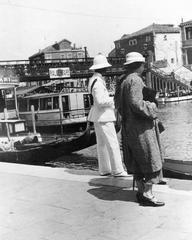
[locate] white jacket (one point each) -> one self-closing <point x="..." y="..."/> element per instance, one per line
<point x="103" y="107"/>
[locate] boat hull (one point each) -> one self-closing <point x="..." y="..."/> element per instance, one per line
<point x="39" y="153"/>
<point x="177" y="169"/>
<point x="174" y="99"/>
<point x="50" y="119"/>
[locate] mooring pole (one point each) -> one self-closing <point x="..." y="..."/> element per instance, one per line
<point x="7" y="125"/>
<point x="61" y="126"/>
<point x="33" y="118"/>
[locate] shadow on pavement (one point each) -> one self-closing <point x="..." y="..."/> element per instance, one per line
<point x="110" y="194"/>
<point x="102" y="190"/>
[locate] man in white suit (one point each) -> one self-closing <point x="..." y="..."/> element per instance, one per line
<point x="103" y="116"/>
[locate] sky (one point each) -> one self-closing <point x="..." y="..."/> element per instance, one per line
<point x="27" y="26"/>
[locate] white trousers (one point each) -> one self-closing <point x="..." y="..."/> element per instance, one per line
<point x="108" y="151"/>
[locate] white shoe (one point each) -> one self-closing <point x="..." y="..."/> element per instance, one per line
<point x="122" y="174"/>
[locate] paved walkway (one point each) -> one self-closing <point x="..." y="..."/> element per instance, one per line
<point x="43" y="203"/>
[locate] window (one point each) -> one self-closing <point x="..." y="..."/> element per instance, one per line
<point x="45" y="103"/>
<point x="80" y="55"/>
<point x="69" y="55"/>
<point x="10" y="104"/>
<point x="22" y="104"/>
<point x="48" y="56"/>
<point x="172" y="60"/>
<point x="86" y="99"/>
<point x="3" y="130"/>
<point x="19" y="127"/>
<point x="55" y="102"/>
<point x="132" y="42"/>
<point x="65" y="103"/>
<point x="2" y="101"/>
<point x="165" y="38"/>
<point x="118" y="45"/>
<point x="35" y="103"/>
<point x="62" y="56"/>
<point x="148" y="38"/>
<point x="188" y="33"/>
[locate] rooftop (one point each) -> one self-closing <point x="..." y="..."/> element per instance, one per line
<point x="156" y="28"/>
<point x="186" y="23"/>
<point x="51" y="48"/>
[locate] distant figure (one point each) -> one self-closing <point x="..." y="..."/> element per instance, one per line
<point x="103" y="117"/>
<point x="140" y="134"/>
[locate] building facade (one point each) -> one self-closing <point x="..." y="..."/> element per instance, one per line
<point x="161" y="43"/>
<point x="59" y="50"/>
<point x="186" y="37"/>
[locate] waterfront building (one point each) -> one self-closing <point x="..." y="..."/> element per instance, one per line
<point x="56" y="55"/>
<point x="186" y="37"/>
<point x="160" y="43"/>
<point x="59" y="50"/>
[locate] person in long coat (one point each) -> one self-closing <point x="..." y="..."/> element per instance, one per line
<point x="142" y="149"/>
<point x="103" y="116"/>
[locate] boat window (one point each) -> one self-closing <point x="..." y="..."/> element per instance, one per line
<point x="35" y="103"/>
<point x="55" y="102"/>
<point x="19" y="127"/>
<point x="9" y="99"/>
<point x="3" y="131"/>
<point x="46" y="103"/>
<point x="11" y="129"/>
<point x="86" y="100"/>
<point x="10" y="104"/>
<point x="65" y="104"/>
<point x="22" y="104"/>
<point x="2" y="101"/>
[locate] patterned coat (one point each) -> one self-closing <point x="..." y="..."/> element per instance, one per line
<point x="140" y="135"/>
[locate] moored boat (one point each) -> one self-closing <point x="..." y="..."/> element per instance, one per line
<point x="177" y="168"/>
<point x="35" y="152"/>
<point x="55" y="107"/>
<point x="174" y="97"/>
<point x="17" y="144"/>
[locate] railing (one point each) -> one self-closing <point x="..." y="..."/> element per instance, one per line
<point x="170" y="77"/>
<point x="59" y="61"/>
<point x="64" y="115"/>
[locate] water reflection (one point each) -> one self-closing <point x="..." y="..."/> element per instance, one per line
<point x="177" y="138"/>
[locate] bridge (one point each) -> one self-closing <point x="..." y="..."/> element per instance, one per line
<point x="38" y="70"/>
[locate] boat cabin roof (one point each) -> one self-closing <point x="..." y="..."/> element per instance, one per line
<point x="38" y="95"/>
<point x="42" y="95"/>
<point x="4" y="85"/>
<point x="11" y="120"/>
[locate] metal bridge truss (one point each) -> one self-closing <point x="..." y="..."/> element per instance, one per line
<point x="38" y="70"/>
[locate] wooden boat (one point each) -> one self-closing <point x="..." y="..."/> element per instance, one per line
<point x="172" y="98"/>
<point x="35" y="152"/>
<point x="177" y="169"/>
<point x="19" y="145"/>
<point x="55" y="105"/>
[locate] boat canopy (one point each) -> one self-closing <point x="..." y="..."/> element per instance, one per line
<point x="4" y="86"/>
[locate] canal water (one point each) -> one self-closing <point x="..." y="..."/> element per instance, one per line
<point x="177" y="137"/>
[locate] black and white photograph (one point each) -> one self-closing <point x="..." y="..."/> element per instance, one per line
<point x="95" y="120"/>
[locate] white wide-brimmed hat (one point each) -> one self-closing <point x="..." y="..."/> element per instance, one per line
<point x="134" y="57"/>
<point x="99" y="62"/>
